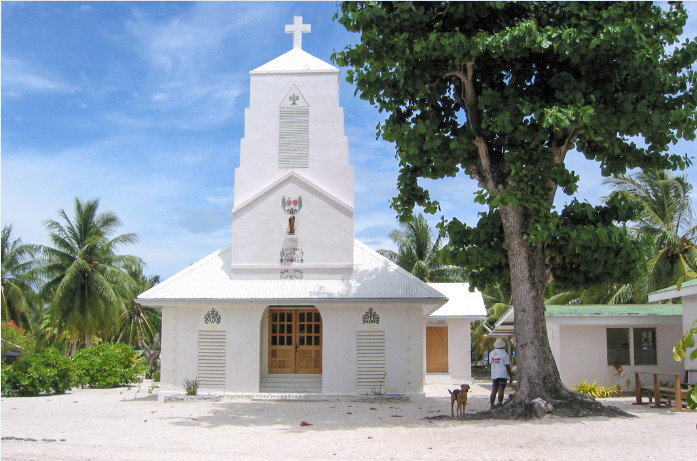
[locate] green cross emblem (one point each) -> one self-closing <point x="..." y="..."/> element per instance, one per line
<point x="293" y="98"/>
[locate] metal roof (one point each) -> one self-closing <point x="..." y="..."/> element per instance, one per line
<point x="505" y="324"/>
<point x="686" y="289"/>
<point x="462" y="303"/>
<point x="373" y="278"/>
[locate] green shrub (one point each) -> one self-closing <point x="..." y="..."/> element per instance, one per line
<point x="107" y="365"/>
<point x="596" y="390"/>
<point x="156" y="376"/>
<point x="34" y="374"/>
<point x="14" y="335"/>
<point x="191" y="386"/>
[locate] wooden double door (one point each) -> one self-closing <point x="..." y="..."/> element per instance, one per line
<point x="295" y="341"/>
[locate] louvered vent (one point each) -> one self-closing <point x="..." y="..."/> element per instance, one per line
<point x="211" y="359"/>
<point x="294" y="131"/>
<point x="294" y="137"/>
<point x="371" y="361"/>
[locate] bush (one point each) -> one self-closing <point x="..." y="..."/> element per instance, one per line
<point x="34" y="374"/>
<point x="14" y="335"/>
<point x="596" y="390"/>
<point x="107" y="365"/>
<point x="156" y="376"/>
<point x="191" y="386"/>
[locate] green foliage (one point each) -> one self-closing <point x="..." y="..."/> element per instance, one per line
<point x="680" y="353"/>
<point x="418" y="252"/>
<point x="664" y="220"/>
<point x="502" y="91"/>
<point x="191" y="386"/>
<point x="13" y="336"/>
<point x="85" y="281"/>
<point x="107" y="365"/>
<point x="46" y="373"/>
<point x="156" y="376"/>
<point x="19" y="279"/>
<point x="596" y="390"/>
<point x="139" y="324"/>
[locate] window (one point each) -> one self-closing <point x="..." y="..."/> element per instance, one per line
<point x="618" y="346"/>
<point x="641" y="352"/>
<point x="645" y="346"/>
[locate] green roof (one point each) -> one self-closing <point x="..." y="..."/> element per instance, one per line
<point x="613" y="310"/>
<point x="689" y="283"/>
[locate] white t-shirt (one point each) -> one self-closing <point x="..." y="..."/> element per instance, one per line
<point x="498" y="358"/>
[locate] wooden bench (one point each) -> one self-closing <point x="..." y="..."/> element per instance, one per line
<point x="659" y="392"/>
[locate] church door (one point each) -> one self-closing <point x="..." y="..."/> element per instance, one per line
<point x="295" y="341"/>
<point x="436" y="349"/>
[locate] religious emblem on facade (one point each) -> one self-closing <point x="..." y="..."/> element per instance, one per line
<point x="293" y="98"/>
<point x="292" y="255"/>
<point x="212" y="316"/>
<point x="291" y="205"/>
<point x="291" y="274"/>
<point x="370" y="317"/>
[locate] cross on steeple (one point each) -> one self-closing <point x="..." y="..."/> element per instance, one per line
<point x="298" y="29"/>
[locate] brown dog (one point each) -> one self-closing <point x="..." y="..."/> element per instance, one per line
<point x="459" y="396"/>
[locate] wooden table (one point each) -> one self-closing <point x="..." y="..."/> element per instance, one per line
<point x="677" y="392"/>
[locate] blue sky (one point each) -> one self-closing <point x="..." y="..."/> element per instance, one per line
<point x="142" y="105"/>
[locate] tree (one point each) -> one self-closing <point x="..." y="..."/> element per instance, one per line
<point x="666" y="220"/>
<point x="505" y="91"/>
<point x="86" y="283"/>
<point x="417" y="252"/>
<point x="139" y="323"/>
<point x="19" y="280"/>
<point x="680" y="353"/>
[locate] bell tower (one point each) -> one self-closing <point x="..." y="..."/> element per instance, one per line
<point x="294" y="188"/>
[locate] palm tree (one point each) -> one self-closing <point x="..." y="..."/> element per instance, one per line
<point x="665" y="220"/>
<point x="498" y="300"/>
<point x="86" y="282"/>
<point x="139" y="323"/>
<point x="19" y="279"/>
<point x="417" y="252"/>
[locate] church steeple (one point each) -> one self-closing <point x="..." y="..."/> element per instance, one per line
<point x="294" y="148"/>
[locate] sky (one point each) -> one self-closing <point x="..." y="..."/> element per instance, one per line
<point x="141" y="105"/>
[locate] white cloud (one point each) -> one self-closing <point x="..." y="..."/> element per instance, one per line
<point x="20" y="77"/>
<point x="159" y="97"/>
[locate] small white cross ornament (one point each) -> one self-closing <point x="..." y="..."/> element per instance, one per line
<point x="298" y="29"/>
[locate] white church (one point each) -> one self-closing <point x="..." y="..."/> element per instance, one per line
<point x="294" y="304"/>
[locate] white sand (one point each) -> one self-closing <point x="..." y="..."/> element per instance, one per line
<point x="129" y="423"/>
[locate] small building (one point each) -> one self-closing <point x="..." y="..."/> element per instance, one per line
<point x="587" y="339"/>
<point x="294" y="303"/>
<point x="688" y="292"/>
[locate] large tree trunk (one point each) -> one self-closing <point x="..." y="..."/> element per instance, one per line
<point x="536" y="371"/>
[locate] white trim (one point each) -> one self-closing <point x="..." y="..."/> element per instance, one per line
<point x="302" y="179"/>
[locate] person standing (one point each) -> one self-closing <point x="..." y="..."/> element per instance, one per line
<point x="500" y="371"/>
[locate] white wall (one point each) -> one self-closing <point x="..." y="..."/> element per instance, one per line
<point x="246" y="359"/>
<point x="582" y="353"/>
<point x="689" y="315"/>
<point x="460" y="350"/>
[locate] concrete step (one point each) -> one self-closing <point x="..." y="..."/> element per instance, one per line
<point x="285" y="384"/>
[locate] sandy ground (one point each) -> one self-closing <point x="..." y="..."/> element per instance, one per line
<point x="129" y="423"/>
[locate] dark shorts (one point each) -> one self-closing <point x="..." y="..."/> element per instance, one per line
<point x="499" y="382"/>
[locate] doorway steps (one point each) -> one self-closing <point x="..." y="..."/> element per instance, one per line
<point x="291" y="383"/>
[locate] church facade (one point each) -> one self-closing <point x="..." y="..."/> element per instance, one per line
<point x="294" y="303"/>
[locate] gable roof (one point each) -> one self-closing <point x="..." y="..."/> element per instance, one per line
<point x="373" y="278"/>
<point x="294" y="61"/>
<point x="686" y="289"/>
<point x="462" y="303"/>
<point x="287" y="177"/>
